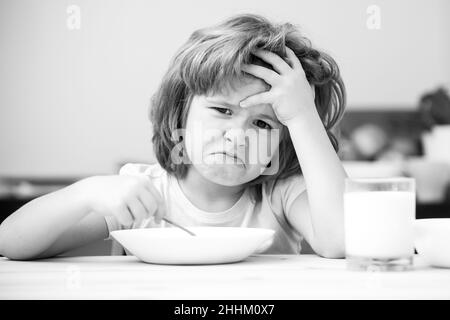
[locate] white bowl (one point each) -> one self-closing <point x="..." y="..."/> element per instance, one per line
<point x="211" y="245"/>
<point x="432" y="241"/>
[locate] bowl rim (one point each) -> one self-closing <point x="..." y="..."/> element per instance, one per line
<point x="243" y="231"/>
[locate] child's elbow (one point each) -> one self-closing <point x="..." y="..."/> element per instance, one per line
<point x="14" y="255"/>
<point x="9" y="247"/>
<point x="13" y="252"/>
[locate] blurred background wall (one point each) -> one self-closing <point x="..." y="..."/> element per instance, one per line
<point x="73" y="102"/>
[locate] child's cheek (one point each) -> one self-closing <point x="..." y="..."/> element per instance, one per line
<point x="262" y="149"/>
<point x="274" y="141"/>
<point x="201" y="141"/>
<point x="211" y="136"/>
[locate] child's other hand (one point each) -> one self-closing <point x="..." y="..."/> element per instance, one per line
<point x="290" y="92"/>
<point x="130" y="199"/>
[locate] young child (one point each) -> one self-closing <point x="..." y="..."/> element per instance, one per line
<point x="229" y="91"/>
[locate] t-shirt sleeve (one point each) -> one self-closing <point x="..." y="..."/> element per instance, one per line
<point x="287" y="190"/>
<point x="134" y="169"/>
<point x="282" y="195"/>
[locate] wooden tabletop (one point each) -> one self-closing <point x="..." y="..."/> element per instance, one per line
<point x="271" y="277"/>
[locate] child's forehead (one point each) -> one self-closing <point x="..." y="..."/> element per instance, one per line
<point x="239" y="89"/>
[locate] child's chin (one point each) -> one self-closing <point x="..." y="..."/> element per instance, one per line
<point x="225" y="175"/>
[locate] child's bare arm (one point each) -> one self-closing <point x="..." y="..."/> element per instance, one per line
<point x="293" y="101"/>
<point x="89" y="229"/>
<point x="74" y="216"/>
<point x="34" y="227"/>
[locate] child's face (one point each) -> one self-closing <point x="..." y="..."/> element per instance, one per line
<point x="227" y="144"/>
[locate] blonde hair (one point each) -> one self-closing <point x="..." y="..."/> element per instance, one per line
<point x="211" y="60"/>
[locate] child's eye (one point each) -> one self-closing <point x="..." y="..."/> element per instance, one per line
<point x="223" y="110"/>
<point x="263" y="125"/>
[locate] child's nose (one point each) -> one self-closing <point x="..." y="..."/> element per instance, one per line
<point x="236" y="136"/>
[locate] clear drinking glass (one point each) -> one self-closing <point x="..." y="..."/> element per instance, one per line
<point x="379" y="217"/>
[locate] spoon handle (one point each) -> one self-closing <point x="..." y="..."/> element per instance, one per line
<point x="145" y="222"/>
<point x="177" y="225"/>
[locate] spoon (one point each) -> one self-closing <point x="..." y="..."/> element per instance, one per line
<point x="146" y="221"/>
<point x="178" y="226"/>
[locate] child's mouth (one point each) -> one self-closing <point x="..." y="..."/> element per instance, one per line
<point x="234" y="158"/>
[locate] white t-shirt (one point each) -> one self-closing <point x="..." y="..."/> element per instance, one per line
<point x="268" y="213"/>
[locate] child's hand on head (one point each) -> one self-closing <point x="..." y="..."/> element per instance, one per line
<point x="290" y="91"/>
<point x="131" y="199"/>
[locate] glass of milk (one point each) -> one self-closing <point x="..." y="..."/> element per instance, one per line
<point x="379" y="216"/>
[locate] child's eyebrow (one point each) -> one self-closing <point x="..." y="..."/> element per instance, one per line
<point x="221" y="102"/>
<point x="229" y="105"/>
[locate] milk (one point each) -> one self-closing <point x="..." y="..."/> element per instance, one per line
<point x="379" y="224"/>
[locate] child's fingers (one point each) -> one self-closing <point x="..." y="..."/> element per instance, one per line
<point x="275" y="60"/>
<point x="260" y="98"/>
<point x="158" y="208"/>
<point x="137" y="209"/>
<point x="124" y="215"/>
<point x="156" y="195"/>
<point x="148" y="201"/>
<point x="161" y="210"/>
<point x="293" y="58"/>
<point x="269" y="76"/>
<point x="150" y="187"/>
<point x="160" y="213"/>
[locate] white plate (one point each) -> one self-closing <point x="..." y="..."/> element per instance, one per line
<point x="211" y="245"/>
